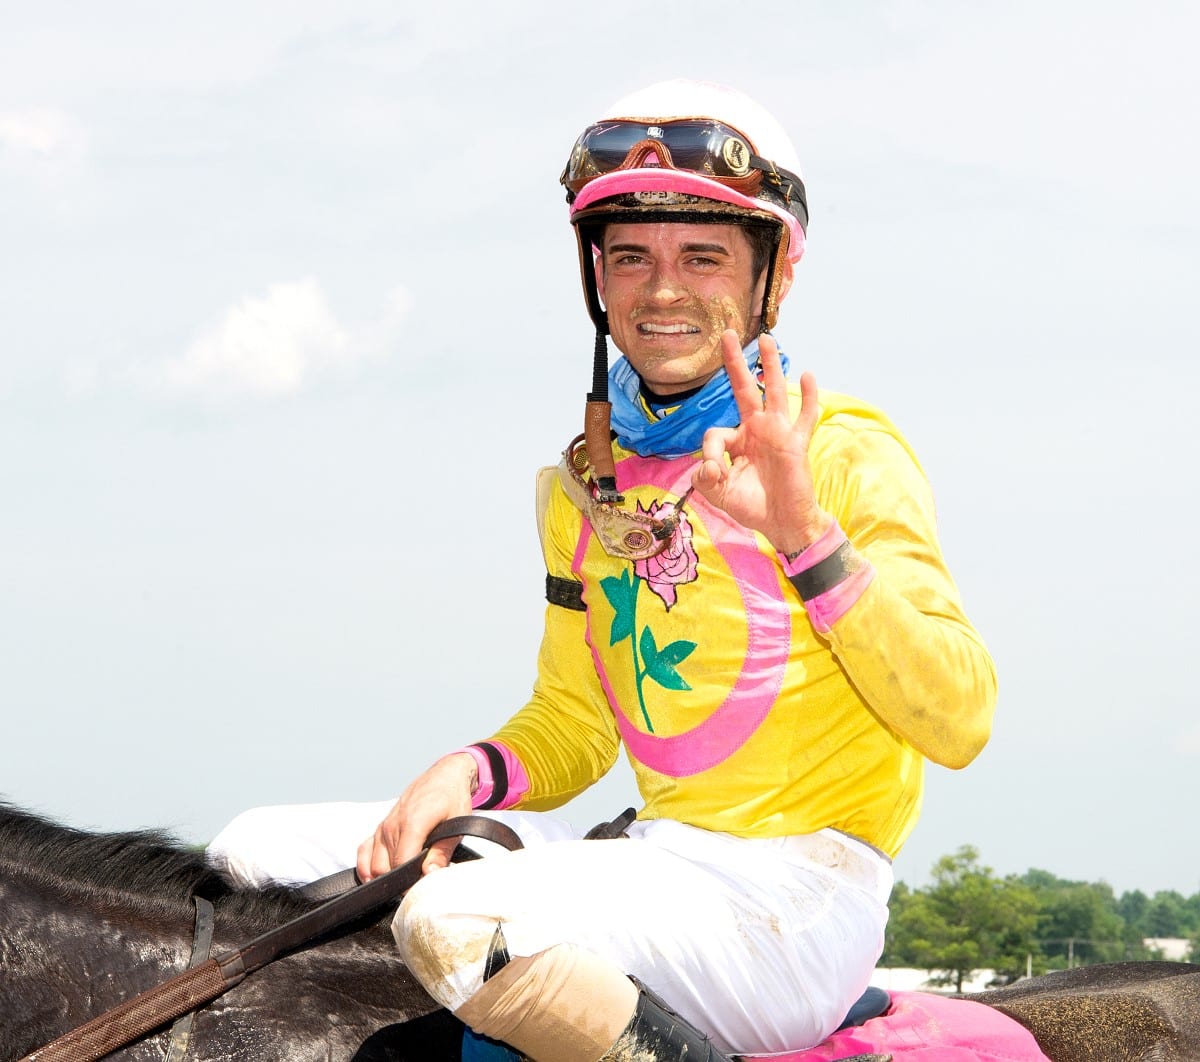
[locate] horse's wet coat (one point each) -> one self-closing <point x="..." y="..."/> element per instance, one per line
<point x="1110" y="1013"/>
<point x="88" y="920"/>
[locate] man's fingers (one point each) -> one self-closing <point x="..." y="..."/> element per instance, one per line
<point x="716" y="444"/>
<point x="773" y="395"/>
<point x="810" y="408"/>
<point x="439" y="854"/>
<point x="745" y="387"/>
<point x="713" y="469"/>
<point x="381" y="858"/>
<point x="373" y="856"/>
<point x="380" y="853"/>
<point x="363" y="865"/>
<point x="774" y="382"/>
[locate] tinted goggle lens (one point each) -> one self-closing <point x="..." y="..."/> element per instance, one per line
<point x="701" y="146"/>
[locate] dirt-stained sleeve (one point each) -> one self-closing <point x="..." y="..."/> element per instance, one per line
<point x="906" y="643"/>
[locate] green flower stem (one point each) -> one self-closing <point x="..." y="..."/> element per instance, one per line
<point x="639" y="674"/>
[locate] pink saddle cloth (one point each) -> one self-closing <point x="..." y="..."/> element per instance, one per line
<point x="923" y="1027"/>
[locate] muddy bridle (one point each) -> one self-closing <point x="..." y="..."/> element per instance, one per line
<point x="207" y="978"/>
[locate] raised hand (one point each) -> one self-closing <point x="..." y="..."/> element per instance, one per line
<point x="759" y="472"/>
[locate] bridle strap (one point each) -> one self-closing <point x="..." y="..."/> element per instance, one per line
<point x="181" y="1031"/>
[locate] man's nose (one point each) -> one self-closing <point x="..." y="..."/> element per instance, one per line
<point x="666" y="285"/>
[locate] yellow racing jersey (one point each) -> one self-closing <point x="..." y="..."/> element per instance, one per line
<point x="737" y="711"/>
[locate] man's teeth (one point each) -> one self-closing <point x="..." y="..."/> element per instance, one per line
<point x="668" y="329"/>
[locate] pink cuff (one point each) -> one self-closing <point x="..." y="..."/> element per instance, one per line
<point x="518" y="780"/>
<point x="833" y="537"/>
<point x="827" y="608"/>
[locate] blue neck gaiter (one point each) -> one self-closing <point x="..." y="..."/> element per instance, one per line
<point x="682" y="430"/>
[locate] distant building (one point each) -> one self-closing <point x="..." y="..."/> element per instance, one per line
<point x="1173" y="949"/>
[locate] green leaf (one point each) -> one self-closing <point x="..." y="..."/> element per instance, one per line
<point x="660" y="663"/>
<point x="622" y="595"/>
<point x="676" y="652"/>
<point x="648" y="647"/>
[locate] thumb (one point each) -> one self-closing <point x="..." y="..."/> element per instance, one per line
<point x="709" y="476"/>
<point x="713" y="469"/>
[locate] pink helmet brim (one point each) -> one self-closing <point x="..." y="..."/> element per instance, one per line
<point x="666" y="179"/>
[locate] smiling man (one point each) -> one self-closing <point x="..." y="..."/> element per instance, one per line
<point x="745" y="593"/>
<point x="671" y="290"/>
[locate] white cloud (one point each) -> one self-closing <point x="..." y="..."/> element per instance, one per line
<point x="41" y="134"/>
<point x="278" y="344"/>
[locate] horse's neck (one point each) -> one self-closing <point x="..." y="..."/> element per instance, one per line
<point x="87" y="921"/>
<point x="74" y="954"/>
<point x="69" y="916"/>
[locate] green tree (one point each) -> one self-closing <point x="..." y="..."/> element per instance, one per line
<point x="966" y="920"/>
<point x="1078" y="922"/>
<point x="897" y="941"/>
<point x="1191" y="908"/>
<point x="1132" y="907"/>
<point x="1167" y="915"/>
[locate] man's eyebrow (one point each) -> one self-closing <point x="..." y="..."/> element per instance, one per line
<point x="641" y="248"/>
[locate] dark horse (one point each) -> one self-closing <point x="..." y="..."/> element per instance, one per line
<point x="89" y="920"/>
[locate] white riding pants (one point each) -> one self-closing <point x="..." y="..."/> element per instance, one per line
<point x="762" y="943"/>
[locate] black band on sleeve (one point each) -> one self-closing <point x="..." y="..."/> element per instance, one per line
<point x="499" y="775"/>
<point x="565" y="592"/>
<point x="825" y="575"/>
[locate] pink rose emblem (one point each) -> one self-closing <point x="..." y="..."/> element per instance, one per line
<point x="675" y="565"/>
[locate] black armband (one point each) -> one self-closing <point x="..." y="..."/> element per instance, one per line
<point x="828" y="573"/>
<point x="499" y="775"/>
<point x="567" y="593"/>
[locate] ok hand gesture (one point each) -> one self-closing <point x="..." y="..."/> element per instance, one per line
<point x="759" y="471"/>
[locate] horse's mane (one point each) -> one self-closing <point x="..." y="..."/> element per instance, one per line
<point x="148" y="868"/>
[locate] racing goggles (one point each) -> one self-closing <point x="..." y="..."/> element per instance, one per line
<point x="628" y="535"/>
<point x="701" y="145"/>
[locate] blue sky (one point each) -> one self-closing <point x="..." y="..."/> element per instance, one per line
<point x="291" y="315"/>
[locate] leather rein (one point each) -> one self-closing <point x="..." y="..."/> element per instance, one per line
<point x="205" y="980"/>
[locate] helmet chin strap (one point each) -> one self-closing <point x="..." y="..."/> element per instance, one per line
<point x="597" y="417"/>
<point x="597" y="428"/>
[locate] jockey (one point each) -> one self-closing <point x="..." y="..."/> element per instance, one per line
<point x="746" y="592"/>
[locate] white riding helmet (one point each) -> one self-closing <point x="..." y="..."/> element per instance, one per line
<point x="691" y="148"/>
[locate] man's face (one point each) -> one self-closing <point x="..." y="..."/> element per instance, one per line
<point x="670" y="291"/>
